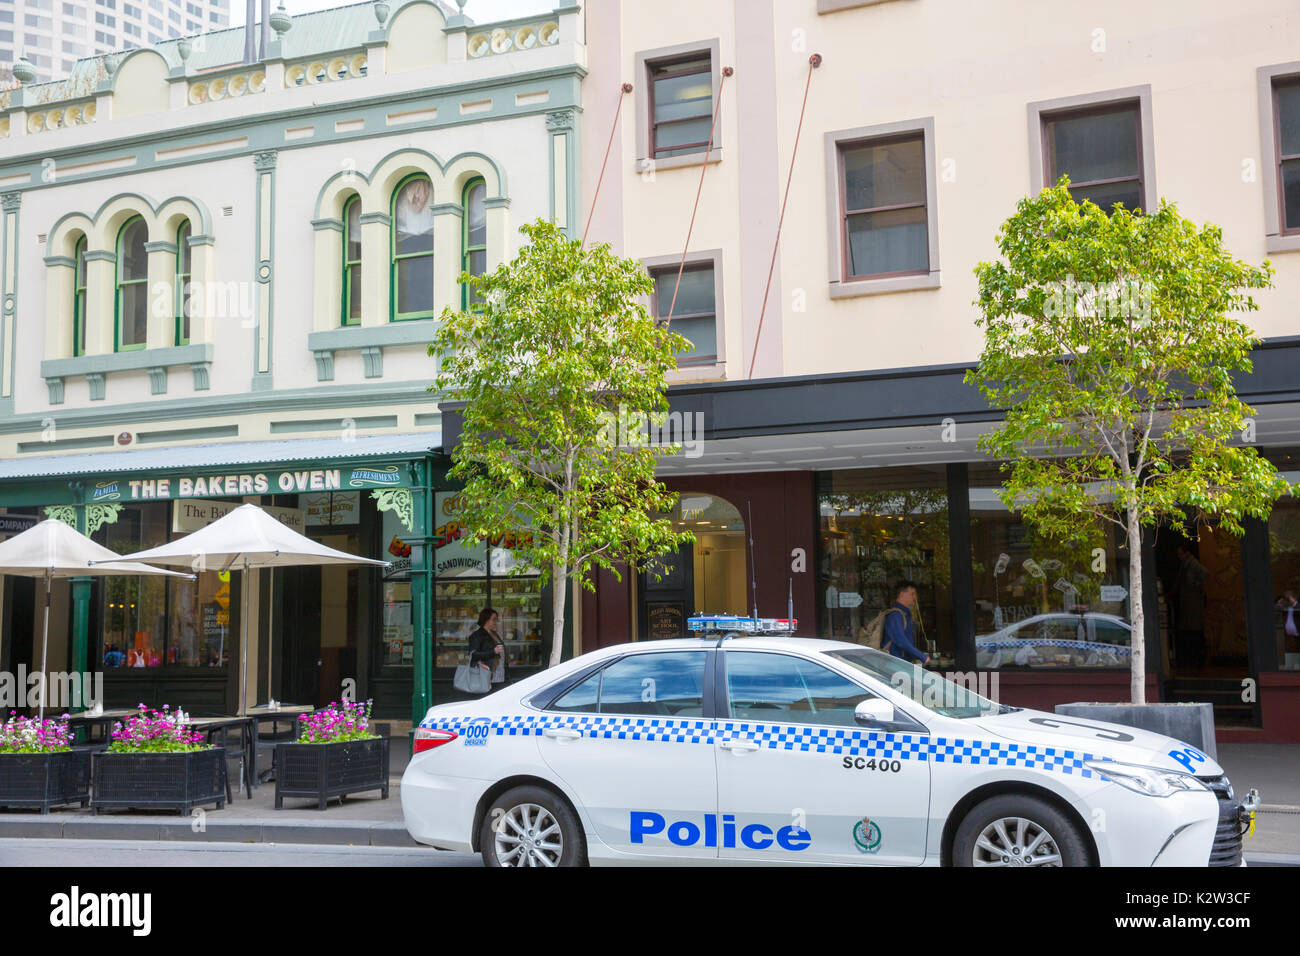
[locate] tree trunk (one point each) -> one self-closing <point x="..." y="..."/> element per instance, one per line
<point x="559" y="593"/>
<point x="1136" y="613"/>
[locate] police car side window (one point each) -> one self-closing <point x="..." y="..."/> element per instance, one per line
<point x="669" y="684"/>
<point x="779" y="687"/>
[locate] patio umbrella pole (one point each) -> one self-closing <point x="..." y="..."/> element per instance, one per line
<point x="243" y="646"/>
<point x="45" y="642"/>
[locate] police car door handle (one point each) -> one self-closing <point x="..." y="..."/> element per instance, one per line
<point x="739" y="745"/>
<point x="562" y="733"/>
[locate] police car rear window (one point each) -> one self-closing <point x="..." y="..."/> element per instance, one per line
<point x="669" y="684"/>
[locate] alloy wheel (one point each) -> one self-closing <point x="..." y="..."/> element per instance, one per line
<point x="1015" y="841"/>
<point x="528" y="835"/>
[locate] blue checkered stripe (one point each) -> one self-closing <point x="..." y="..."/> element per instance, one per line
<point x="829" y="740"/>
<point x="1046" y="642"/>
<point x="793" y="737"/>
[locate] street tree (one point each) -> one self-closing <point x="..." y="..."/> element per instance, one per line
<point x="562" y="373"/>
<point x="1111" y="341"/>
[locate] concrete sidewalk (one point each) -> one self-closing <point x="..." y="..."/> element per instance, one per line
<point x="368" y="820"/>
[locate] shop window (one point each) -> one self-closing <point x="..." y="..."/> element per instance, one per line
<point x="412" y="249"/>
<point x="880" y="526"/>
<point x="1043" y="603"/>
<point x="79" y="300"/>
<point x="472" y="575"/>
<point x="474" y="238"/>
<point x="184" y="271"/>
<point x="132" y="286"/>
<point x="1284" y="547"/>
<point x="693" y="313"/>
<point x="352" y="261"/>
<point x="155" y="622"/>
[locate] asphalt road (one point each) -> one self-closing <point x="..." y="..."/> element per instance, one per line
<point x="128" y="853"/>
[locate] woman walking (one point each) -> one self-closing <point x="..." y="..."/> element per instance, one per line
<point x="487" y="649"/>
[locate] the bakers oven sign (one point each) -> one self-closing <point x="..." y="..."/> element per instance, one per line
<point x="218" y="486"/>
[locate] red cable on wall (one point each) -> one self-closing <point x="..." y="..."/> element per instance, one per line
<point x="814" y="61"/>
<point x="625" y="89"/>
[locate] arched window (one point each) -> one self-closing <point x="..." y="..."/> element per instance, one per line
<point x="352" y="261"/>
<point x="474" y="239"/>
<point x="132" y="286"/>
<point x="79" y="300"/>
<point x="184" y="269"/>
<point x="412" y="253"/>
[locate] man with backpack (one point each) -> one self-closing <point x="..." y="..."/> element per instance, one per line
<point x="899" y="637"/>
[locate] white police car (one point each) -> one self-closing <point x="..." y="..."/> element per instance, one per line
<point x="795" y="750"/>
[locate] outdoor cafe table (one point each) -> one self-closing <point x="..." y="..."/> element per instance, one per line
<point x="283" y="713"/>
<point x="104" y="719"/>
<point x="211" y="726"/>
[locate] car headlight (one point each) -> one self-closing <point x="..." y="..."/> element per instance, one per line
<point x="1149" y="781"/>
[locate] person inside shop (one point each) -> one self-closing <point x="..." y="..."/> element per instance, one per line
<point x="900" y="631"/>
<point x="486" y="648"/>
<point x="1290" y="608"/>
<point x="1189" y="600"/>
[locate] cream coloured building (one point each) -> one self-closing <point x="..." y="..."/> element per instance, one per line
<point x="837" y="430"/>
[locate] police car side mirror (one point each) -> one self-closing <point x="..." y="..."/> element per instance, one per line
<point x="873" y="710"/>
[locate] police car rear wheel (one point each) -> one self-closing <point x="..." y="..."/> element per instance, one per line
<point x="531" y="826"/>
<point x="1015" y="830"/>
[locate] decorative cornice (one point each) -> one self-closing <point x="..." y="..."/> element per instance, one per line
<point x="11" y="201"/>
<point x="264" y="161"/>
<point x="322" y="224"/>
<point x="380" y="217"/>
<point x="162" y="246"/>
<point x="68" y="261"/>
<point x="497" y="202"/>
<point x="448" y="209"/>
<point x="100" y="255"/>
<point x="200" y="241"/>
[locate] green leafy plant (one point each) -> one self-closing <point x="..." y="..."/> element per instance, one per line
<point x="1111" y="340"/>
<point x="557" y="356"/>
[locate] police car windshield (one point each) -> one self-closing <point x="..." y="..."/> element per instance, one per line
<point x="930" y="690"/>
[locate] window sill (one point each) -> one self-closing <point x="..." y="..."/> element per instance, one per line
<point x="1286" y="243"/>
<point x="711" y="372"/>
<point x="834" y="6"/>
<point x="645" y="165"/>
<point x="155" y="361"/>
<point x="857" y="287"/>
<point x="370" y="340"/>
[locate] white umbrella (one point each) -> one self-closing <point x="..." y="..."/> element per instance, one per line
<point x="247" y="538"/>
<point x="52" y="549"/>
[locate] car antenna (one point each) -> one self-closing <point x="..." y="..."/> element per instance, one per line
<point x="753" y="569"/>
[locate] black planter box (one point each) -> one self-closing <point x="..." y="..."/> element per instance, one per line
<point x="179" y="781"/>
<point x="45" y="780"/>
<point x="322" y="771"/>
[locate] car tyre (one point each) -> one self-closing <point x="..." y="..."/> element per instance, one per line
<point x="1018" y="830"/>
<point x="532" y="826"/>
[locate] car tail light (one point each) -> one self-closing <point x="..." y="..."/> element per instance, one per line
<point x="426" y="738"/>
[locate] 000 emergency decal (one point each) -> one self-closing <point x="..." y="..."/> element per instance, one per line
<point x="477" y="732"/>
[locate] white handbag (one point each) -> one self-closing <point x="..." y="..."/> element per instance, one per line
<point x="472" y="679"/>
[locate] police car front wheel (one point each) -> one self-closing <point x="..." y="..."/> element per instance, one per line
<point x="1018" y="830"/>
<point x="531" y="826"/>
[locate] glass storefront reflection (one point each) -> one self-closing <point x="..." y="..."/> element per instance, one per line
<point x="1040" y="602"/>
<point x="879" y="526"/>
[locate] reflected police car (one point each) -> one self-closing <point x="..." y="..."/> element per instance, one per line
<point x="770" y="749"/>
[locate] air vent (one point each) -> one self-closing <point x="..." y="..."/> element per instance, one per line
<point x="41" y="238"/>
<point x="227" y="210"/>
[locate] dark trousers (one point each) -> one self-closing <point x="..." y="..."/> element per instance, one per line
<point x="1190" y="648"/>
